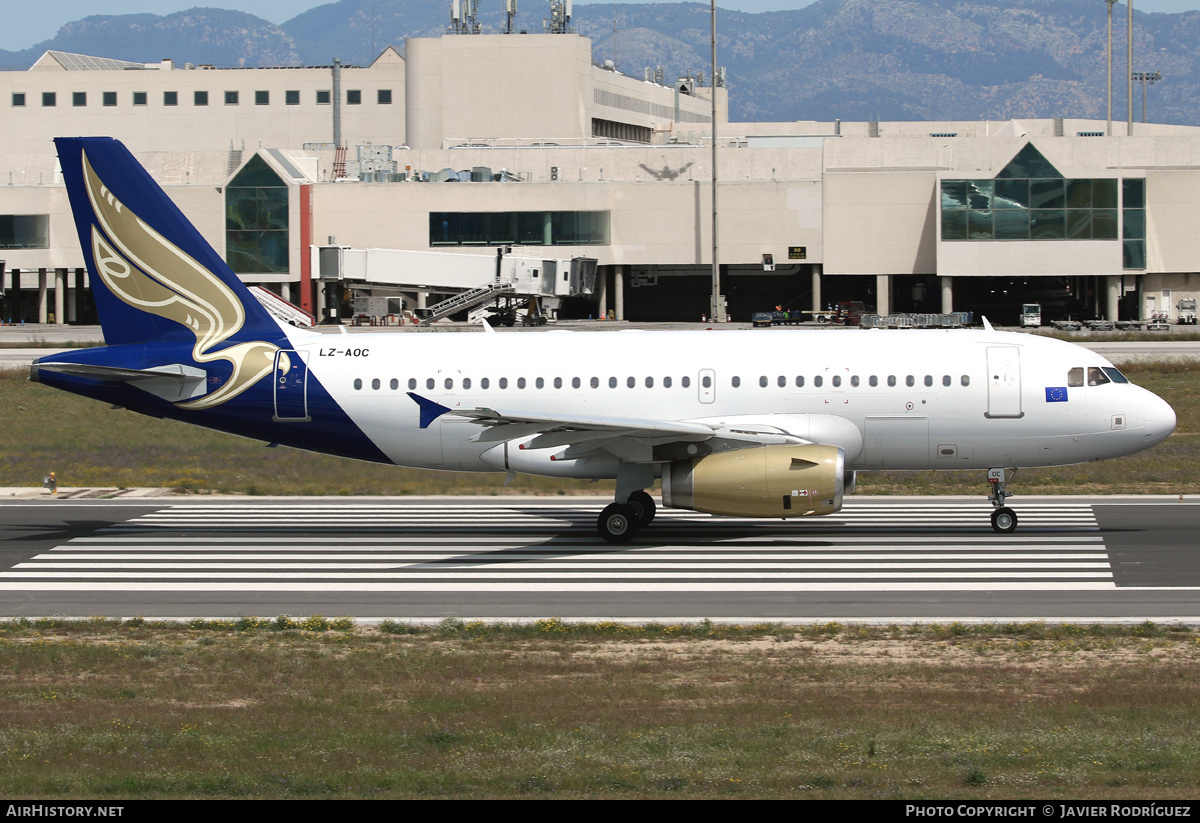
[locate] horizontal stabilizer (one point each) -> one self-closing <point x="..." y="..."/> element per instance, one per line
<point x="173" y="382"/>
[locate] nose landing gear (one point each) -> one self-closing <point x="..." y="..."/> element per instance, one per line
<point x="1004" y="519"/>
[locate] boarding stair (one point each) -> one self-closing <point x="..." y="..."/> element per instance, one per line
<point x="464" y="301"/>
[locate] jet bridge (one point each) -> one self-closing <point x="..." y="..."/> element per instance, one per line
<point x="467" y="280"/>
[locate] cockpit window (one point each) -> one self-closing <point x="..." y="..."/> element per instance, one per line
<point x="1097" y="377"/>
<point x="1075" y="376"/>
<point x="1115" y="375"/>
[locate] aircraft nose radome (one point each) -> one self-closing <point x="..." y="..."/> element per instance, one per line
<point x="1159" y="420"/>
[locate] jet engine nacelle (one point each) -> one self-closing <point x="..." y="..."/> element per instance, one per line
<point x="771" y="481"/>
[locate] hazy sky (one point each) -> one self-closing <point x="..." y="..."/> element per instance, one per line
<point x="27" y="24"/>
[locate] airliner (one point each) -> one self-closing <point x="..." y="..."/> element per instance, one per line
<point x="763" y="423"/>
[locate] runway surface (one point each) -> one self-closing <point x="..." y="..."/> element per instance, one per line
<point x="880" y="558"/>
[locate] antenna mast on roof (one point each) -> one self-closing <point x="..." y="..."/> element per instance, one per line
<point x="559" y="21"/>
<point x="463" y="17"/>
<point x="510" y="11"/>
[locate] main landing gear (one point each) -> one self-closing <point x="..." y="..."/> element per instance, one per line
<point x="1004" y="519"/>
<point x="633" y="509"/>
<point x="619" y="522"/>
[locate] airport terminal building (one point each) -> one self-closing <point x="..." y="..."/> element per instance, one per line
<point x="470" y="144"/>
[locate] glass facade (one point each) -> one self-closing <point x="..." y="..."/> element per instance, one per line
<point x="1133" y="223"/>
<point x="1030" y="200"/>
<point x="1017" y="207"/>
<point x="24" y="231"/>
<point x="525" y="228"/>
<point x="256" y="220"/>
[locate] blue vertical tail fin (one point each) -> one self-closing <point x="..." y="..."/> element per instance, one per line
<point x="152" y="274"/>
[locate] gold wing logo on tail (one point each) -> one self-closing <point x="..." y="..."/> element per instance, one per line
<point x="148" y="272"/>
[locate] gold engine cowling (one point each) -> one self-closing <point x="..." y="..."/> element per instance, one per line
<point x="770" y="481"/>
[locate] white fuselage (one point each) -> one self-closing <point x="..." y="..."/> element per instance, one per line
<point x="943" y="399"/>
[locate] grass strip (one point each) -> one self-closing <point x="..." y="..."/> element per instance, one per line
<point x="321" y="708"/>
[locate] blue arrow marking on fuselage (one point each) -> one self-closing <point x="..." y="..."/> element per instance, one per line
<point x="430" y="410"/>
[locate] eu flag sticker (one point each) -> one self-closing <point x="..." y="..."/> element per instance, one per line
<point x="1056" y="394"/>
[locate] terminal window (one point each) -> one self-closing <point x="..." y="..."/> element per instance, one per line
<point x="199" y="98"/>
<point x="256" y="220"/>
<point x="353" y="97"/>
<point x="139" y="98"/>
<point x="24" y="231"/>
<point x="18" y="98"/>
<point x="170" y="98"/>
<point x="262" y="98"/>
<point x="79" y="98"/>
<point x="323" y="98"/>
<point x="1030" y="200"/>
<point x="527" y="228"/>
<point x="1133" y="223"/>
<point x="231" y="98"/>
<point x="49" y="98"/>
<point x="291" y="98"/>
<point x="109" y="98"/>
<point x="383" y="97"/>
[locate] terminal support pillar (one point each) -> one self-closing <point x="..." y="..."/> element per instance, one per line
<point x="619" y="291"/>
<point x="60" y="295"/>
<point x="816" y="289"/>
<point x="602" y="293"/>
<point x="883" y="289"/>
<point x="1114" y="297"/>
<point x="285" y="291"/>
<point x="947" y="294"/>
<point x="42" y="311"/>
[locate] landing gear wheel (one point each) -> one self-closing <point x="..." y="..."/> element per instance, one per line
<point x="618" y="523"/>
<point x="1004" y="520"/>
<point x="644" y="504"/>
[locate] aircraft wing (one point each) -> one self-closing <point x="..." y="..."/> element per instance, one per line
<point x="631" y="438"/>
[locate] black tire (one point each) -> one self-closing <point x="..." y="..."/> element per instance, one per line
<point x="644" y="505"/>
<point x="1004" y="520"/>
<point x="618" y="523"/>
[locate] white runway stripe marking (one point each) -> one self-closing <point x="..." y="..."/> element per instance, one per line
<point x="552" y="547"/>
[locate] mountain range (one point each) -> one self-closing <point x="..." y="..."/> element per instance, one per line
<point x="848" y="59"/>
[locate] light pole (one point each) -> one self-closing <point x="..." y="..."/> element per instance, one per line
<point x="1110" y="5"/>
<point x="1145" y="77"/>
<point x="1129" y="83"/>
<point x="718" y="304"/>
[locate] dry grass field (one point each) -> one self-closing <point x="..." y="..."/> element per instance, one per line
<point x="320" y="709"/>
